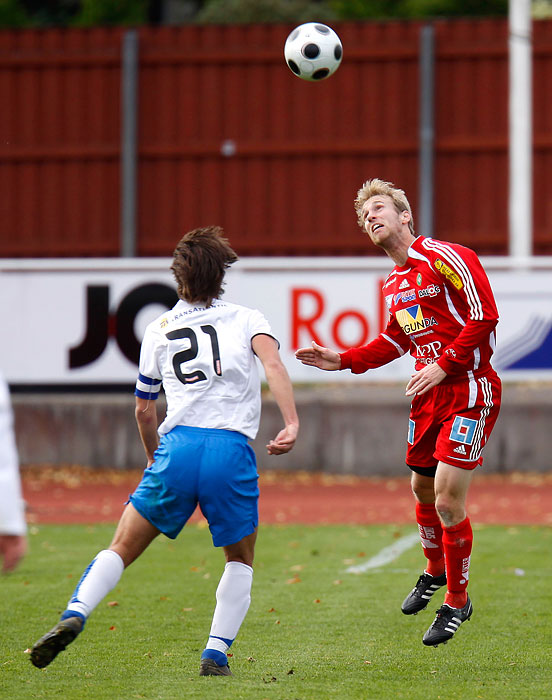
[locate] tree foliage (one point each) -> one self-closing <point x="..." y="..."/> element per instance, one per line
<point x="415" y="9"/>
<point x="64" y="13"/>
<point x="234" y="11"/>
<point x="37" y="13"/>
<point x="112" y="13"/>
<point x="44" y="13"/>
<point x="258" y="11"/>
<point x="12" y="14"/>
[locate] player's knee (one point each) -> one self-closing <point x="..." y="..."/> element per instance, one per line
<point x="423" y="487"/>
<point x="423" y="494"/>
<point x="450" y="512"/>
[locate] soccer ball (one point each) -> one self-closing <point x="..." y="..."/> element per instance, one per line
<point x="313" y="51"/>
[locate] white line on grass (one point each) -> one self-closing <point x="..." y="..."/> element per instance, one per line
<point x="386" y="555"/>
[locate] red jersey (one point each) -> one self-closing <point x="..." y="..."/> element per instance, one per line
<point x="442" y="309"/>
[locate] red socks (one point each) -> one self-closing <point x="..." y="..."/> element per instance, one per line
<point x="431" y="534"/>
<point x="452" y="545"/>
<point x="457" y="543"/>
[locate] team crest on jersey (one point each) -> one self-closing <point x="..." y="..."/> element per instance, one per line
<point x="449" y="273"/>
<point x="419" y="279"/>
<point x="412" y="319"/>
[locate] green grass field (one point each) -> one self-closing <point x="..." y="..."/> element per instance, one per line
<point x="313" y="631"/>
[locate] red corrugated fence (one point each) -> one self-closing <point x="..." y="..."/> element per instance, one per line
<point x="227" y="135"/>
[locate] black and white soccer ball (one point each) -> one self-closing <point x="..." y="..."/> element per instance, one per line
<point x="313" y="51"/>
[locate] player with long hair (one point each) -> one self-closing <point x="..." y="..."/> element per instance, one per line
<point x="203" y="352"/>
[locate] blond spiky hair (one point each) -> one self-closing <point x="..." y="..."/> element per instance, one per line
<point x="375" y="187"/>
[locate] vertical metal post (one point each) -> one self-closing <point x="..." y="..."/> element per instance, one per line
<point x="426" y="130"/>
<point x="129" y="109"/>
<point x="520" y="202"/>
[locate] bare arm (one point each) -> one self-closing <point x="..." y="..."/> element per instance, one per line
<point x="146" y="418"/>
<point x="319" y="356"/>
<point x="279" y="382"/>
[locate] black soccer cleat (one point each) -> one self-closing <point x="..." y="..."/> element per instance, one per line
<point x="60" y="636"/>
<point x="421" y="594"/>
<point x="208" y="667"/>
<point x="446" y="624"/>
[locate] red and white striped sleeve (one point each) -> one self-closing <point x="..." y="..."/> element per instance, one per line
<point x="465" y="277"/>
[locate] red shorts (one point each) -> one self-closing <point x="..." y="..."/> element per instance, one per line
<point x="452" y="422"/>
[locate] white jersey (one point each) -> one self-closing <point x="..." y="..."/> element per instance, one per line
<point x="12" y="506"/>
<point x="204" y="360"/>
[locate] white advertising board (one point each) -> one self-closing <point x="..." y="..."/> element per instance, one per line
<point x="67" y="322"/>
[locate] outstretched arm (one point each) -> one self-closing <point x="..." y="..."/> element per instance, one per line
<point x="319" y="356"/>
<point x="389" y="345"/>
<point x="266" y="349"/>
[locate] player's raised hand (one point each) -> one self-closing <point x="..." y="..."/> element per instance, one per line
<point x="319" y="356"/>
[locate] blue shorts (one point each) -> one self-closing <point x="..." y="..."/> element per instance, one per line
<point x="215" y="468"/>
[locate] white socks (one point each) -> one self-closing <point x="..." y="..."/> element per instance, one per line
<point x="101" y="576"/>
<point x="233" y="595"/>
<point x="233" y="599"/>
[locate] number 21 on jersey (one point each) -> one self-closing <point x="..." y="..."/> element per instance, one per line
<point x="183" y="356"/>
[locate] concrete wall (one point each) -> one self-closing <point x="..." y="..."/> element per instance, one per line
<point x="357" y="430"/>
<point x="362" y="430"/>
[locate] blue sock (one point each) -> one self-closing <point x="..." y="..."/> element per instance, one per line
<point x="218" y="656"/>
<point x="72" y="613"/>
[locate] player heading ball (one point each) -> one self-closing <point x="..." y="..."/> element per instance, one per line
<point x="441" y="311"/>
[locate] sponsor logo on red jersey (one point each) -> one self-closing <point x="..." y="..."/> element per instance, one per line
<point x="430" y="291"/>
<point x="412" y="319"/>
<point x="407" y="295"/>
<point x="449" y="273"/>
